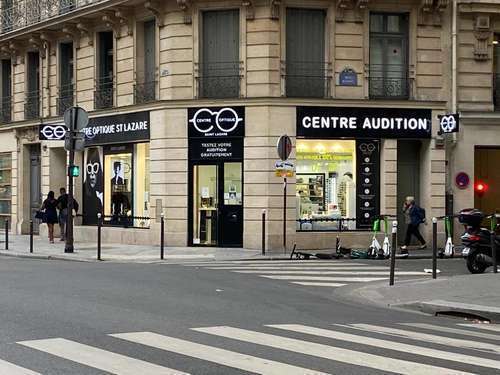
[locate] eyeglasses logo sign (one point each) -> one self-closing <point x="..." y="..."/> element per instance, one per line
<point x="448" y="123"/>
<point x="52" y="132"/>
<point x="224" y="120"/>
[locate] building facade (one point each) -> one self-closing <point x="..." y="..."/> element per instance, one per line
<point x="187" y="100"/>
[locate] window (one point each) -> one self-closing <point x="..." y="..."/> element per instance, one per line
<point x="66" y="88"/>
<point x="5" y="187"/>
<point x="326" y="184"/>
<point x="32" y="103"/>
<point x="103" y="95"/>
<point x="220" y="66"/>
<point x="306" y="73"/>
<point x="496" y="72"/>
<point x="6" y="93"/>
<point x="388" y="77"/>
<point x="145" y="88"/>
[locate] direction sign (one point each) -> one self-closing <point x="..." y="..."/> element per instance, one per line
<point x="284" y="168"/>
<point x="76" y="118"/>
<point x="284" y="147"/>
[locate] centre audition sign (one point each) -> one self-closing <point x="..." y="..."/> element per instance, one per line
<point x="335" y="122"/>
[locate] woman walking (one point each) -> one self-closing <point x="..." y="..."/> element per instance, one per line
<point x="50" y="214"/>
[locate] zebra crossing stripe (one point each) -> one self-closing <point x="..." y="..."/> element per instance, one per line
<point x="8" y="368"/>
<point x="488" y="327"/>
<point x="274" y="263"/>
<point x="98" y="358"/>
<point x="333" y="353"/>
<point x="462" y="332"/>
<point x="220" y="356"/>
<point x="384" y="344"/>
<point x="353" y="273"/>
<point x="313" y="283"/>
<point x="305" y="268"/>
<point x="326" y="278"/>
<point x="459" y="343"/>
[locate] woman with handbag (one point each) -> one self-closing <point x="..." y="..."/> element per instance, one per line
<point x="49" y="207"/>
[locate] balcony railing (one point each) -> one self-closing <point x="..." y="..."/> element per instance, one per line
<point x="307" y="79"/>
<point x="24" y="13"/>
<point x="219" y="80"/>
<point x="389" y="81"/>
<point x="103" y="94"/>
<point x="65" y="99"/>
<point x="32" y="105"/>
<point x="145" y="92"/>
<point x="6" y="110"/>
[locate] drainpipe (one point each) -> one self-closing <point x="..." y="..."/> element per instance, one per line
<point x="454" y="58"/>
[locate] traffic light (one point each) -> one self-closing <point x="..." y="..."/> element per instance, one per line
<point x="73" y="171"/>
<point x="480" y="187"/>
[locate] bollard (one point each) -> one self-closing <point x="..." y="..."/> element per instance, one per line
<point x="31" y="236"/>
<point x="99" y="227"/>
<point x="393" y="251"/>
<point x="434" y="247"/>
<point x="493" y="243"/>
<point x="6" y="234"/>
<point x="264" y="232"/>
<point x="162" y="236"/>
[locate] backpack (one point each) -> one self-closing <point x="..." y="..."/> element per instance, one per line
<point x="420" y="212"/>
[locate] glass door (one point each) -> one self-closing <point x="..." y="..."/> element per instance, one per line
<point x="205" y="204"/>
<point x="118" y="179"/>
<point x="232" y="206"/>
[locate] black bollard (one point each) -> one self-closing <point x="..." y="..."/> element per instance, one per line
<point x="162" y="236"/>
<point x="434" y="247"/>
<point x="7" y="234"/>
<point x="99" y="227"/>
<point x="263" y="232"/>
<point x="31" y="236"/>
<point x="393" y="251"/>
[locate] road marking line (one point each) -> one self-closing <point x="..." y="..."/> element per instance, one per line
<point x="459" y="343"/>
<point x="98" y="358"/>
<point x="481" y="335"/>
<point x="12" y="369"/>
<point x="274" y="262"/>
<point x="385" y="344"/>
<point x="361" y="273"/>
<point x="328" y="352"/>
<point x="312" y="283"/>
<point x="216" y="355"/>
<point x="326" y="278"/>
<point x="319" y="268"/>
<point x="489" y="327"/>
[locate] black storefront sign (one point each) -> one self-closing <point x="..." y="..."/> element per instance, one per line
<point x="52" y="132"/>
<point x="346" y="122"/>
<point x="216" y="149"/>
<point x="367" y="182"/>
<point x="123" y="128"/>
<point x="216" y="122"/>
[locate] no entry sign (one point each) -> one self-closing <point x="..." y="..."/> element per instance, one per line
<point x="284" y="147"/>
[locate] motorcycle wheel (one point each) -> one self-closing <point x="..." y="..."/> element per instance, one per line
<point x="475" y="263"/>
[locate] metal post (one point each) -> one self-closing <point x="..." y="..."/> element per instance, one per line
<point x="284" y="215"/>
<point x="493" y="251"/>
<point x="31" y="236"/>
<point x="264" y="232"/>
<point x="162" y="236"/>
<point x="7" y="234"/>
<point x="434" y="247"/>
<point x="99" y="227"/>
<point x="393" y="251"/>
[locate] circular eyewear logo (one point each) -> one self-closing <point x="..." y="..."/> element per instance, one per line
<point x="448" y="124"/>
<point x="224" y="120"/>
<point x="53" y="132"/>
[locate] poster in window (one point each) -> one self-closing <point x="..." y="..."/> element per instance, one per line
<point x="92" y="185"/>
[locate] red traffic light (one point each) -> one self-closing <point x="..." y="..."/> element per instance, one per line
<point x="481" y="187"/>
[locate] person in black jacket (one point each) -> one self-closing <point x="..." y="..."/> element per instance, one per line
<point x="62" y="205"/>
<point x="49" y="207"/>
<point x="414" y="217"/>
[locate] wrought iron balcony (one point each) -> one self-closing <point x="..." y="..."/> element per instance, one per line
<point x="307" y="79"/>
<point x="65" y="99"/>
<point x="32" y="105"/>
<point x="16" y="14"/>
<point x="103" y="95"/>
<point x="145" y="92"/>
<point x="389" y="81"/>
<point x="219" y="80"/>
<point x="6" y="110"/>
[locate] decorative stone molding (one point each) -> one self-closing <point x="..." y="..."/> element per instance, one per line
<point x="275" y="9"/>
<point x="157" y="10"/>
<point x="185" y="6"/>
<point x="431" y="12"/>
<point x="85" y="30"/>
<point x="358" y="6"/>
<point x="124" y="17"/>
<point x="341" y="6"/>
<point x="16" y="52"/>
<point x="249" y="9"/>
<point x="48" y="38"/>
<point x="482" y="34"/>
<point x="35" y="42"/>
<point x="113" y="23"/>
<point x="26" y="135"/>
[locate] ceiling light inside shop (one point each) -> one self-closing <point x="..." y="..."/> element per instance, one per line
<point x="320" y="148"/>
<point x="337" y="148"/>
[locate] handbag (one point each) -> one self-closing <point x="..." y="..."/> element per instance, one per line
<point x="39" y="214"/>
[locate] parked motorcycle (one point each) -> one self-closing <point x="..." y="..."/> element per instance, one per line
<point x="477" y="240"/>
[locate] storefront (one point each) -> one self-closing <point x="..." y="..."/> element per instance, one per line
<point x="338" y="150"/>
<point x="116" y="170"/>
<point x="215" y="203"/>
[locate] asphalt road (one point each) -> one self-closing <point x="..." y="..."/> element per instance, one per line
<point x="67" y="318"/>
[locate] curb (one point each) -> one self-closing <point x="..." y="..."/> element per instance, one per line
<point x="44" y="257"/>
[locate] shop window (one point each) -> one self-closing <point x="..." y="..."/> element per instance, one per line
<point x="5" y="187"/>
<point x="496" y="72"/>
<point x="326" y="184"/>
<point x="388" y="75"/>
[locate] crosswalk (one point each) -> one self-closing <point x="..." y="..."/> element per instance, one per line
<point x="397" y="349"/>
<point x="310" y="273"/>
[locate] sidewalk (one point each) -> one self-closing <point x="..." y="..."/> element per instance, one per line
<point x="87" y="252"/>
<point x="464" y="295"/>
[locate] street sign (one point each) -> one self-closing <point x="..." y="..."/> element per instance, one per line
<point x="78" y="143"/>
<point x="449" y="123"/>
<point x="284" y="168"/>
<point x="284" y="147"/>
<point x="76" y="118"/>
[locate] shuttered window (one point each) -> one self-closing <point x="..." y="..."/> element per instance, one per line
<point x="305" y="53"/>
<point x="219" y="67"/>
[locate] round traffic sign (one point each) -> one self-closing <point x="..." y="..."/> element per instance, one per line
<point x="284" y="147"/>
<point x="462" y="180"/>
<point x="76" y="118"/>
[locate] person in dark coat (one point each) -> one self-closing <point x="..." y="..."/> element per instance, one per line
<point x="413" y="220"/>
<point x="49" y="206"/>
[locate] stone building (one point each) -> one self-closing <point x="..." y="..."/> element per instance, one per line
<point x="187" y="99"/>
